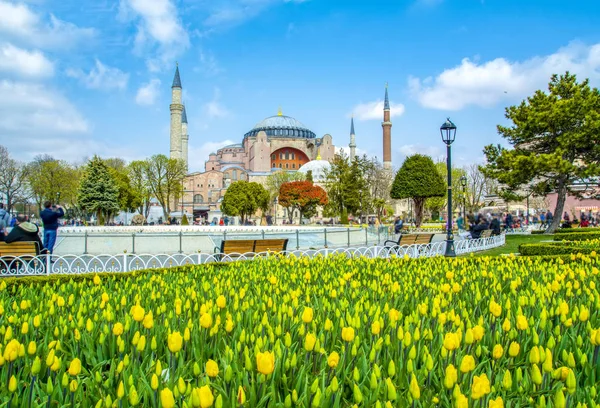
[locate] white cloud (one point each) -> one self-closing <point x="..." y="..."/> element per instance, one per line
<point x="488" y="83"/>
<point x="101" y="77"/>
<point x="374" y="110"/>
<point x="199" y="154"/>
<point x="409" y="150"/>
<point x="37" y="119"/>
<point x="148" y="93"/>
<point x="19" y="22"/>
<point x="214" y="108"/>
<point x="232" y="12"/>
<point x="159" y="30"/>
<point x="208" y="64"/>
<point x="24" y="63"/>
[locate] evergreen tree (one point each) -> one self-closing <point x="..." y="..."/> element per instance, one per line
<point x="419" y="180"/>
<point x="98" y="191"/>
<point x="555" y="139"/>
<point x="309" y="176"/>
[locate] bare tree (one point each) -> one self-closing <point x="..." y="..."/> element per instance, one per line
<point x="478" y="186"/>
<point x="164" y="177"/>
<point x="379" y="182"/>
<point x="13" y="179"/>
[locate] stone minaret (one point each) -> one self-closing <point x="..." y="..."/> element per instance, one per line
<point x="184" y="138"/>
<point x="387" y="133"/>
<point x="352" y="144"/>
<point x="176" y="112"/>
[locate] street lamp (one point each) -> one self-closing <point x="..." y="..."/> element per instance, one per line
<point x="463" y="183"/>
<point x="275" y="210"/>
<point x="448" y="132"/>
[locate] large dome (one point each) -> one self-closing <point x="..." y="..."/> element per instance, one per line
<point x="318" y="169"/>
<point x="281" y="126"/>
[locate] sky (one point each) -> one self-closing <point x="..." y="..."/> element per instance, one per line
<point x="86" y="77"/>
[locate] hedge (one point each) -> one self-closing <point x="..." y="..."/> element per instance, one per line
<point x="552" y="249"/>
<point x="577" y="230"/>
<point x="577" y="236"/>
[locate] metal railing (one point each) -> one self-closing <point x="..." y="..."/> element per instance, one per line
<point x="96" y="242"/>
<point x="78" y="264"/>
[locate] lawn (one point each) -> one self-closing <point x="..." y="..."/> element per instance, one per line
<point x="512" y="244"/>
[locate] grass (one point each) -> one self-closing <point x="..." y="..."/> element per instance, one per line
<point x="512" y="244"/>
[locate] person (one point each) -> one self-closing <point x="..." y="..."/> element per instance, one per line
<point x="25" y="231"/>
<point x="398" y="225"/>
<point x="460" y="223"/>
<point x="495" y="225"/>
<point x="477" y="229"/>
<point x="509" y="222"/>
<point x="50" y="215"/>
<point x="4" y="222"/>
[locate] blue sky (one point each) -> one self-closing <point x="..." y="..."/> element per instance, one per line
<point x="79" y="78"/>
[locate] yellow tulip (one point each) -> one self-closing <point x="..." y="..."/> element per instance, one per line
<point x="333" y="359"/>
<point x="212" y="368"/>
<point x="513" y="349"/>
<point x="467" y="364"/>
<point x="166" y="398"/>
<point x="265" y="362"/>
<point x="347" y="334"/>
<point x="206" y="397"/>
<point x="117" y="329"/>
<point x="241" y="396"/>
<point x="221" y="302"/>
<point x="307" y="315"/>
<point x="175" y="342"/>
<point x="75" y="367"/>
<point x="480" y="386"/>
<point x="309" y="342"/>
<point x="496" y="403"/>
<point x="138" y="313"/>
<point x="413" y="388"/>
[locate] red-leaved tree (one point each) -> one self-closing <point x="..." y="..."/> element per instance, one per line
<point x="303" y="196"/>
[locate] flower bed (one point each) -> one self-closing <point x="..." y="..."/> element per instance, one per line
<point x="577" y="236"/>
<point x="326" y="332"/>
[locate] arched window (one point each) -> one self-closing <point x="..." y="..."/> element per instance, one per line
<point x="235" y="175"/>
<point x="198" y="199"/>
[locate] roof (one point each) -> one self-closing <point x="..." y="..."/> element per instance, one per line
<point x="386" y="103"/>
<point x="318" y="169"/>
<point x="184" y="116"/>
<point x="282" y="126"/>
<point x="352" y="126"/>
<point x="176" y="79"/>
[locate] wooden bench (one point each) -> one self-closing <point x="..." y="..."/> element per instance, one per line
<point x="24" y="251"/>
<point x="486" y="233"/>
<point x="411" y="239"/>
<point x="239" y="247"/>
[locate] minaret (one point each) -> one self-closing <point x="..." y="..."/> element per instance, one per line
<point x="184" y="138"/>
<point x="176" y="112"/>
<point x="352" y="144"/>
<point x="387" y="133"/>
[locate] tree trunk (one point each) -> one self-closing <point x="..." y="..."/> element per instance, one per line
<point x="561" y="193"/>
<point x="418" y="203"/>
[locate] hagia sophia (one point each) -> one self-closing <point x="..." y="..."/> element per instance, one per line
<point x="276" y="143"/>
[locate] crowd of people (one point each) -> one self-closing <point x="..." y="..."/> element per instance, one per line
<point x="22" y="229"/>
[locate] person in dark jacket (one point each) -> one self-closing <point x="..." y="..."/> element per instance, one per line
<point x="495" y="225"/>
<point x="25" y="231"/>
<point x="477" y="229"/>
<point x="50" y="215"/>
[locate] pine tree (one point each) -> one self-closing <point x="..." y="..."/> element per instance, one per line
<point x="98" y="191"/>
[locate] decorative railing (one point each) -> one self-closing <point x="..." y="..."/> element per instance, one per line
<point x="78" y="264"/>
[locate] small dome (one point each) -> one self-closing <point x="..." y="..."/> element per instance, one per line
<point x="318" y="168"/>
<point x="282" y="126"/>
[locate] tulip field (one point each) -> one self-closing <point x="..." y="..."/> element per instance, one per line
<point x="325" y="332"/>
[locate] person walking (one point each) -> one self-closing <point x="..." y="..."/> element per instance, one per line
<point x="50" y="215"/>
<point x="4" y="222"/>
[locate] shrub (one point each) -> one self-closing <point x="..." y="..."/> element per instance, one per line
<point x="553" y="249"/>
<point x="577" y="236"/>
<point x="576" y="230"/>
<point x="184" y="220"/>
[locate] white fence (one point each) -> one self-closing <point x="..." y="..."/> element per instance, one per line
<point x="78" y="264"/>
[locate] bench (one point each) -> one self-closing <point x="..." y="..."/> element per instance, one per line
<point x="242" y="246"/>
<point x="24" y="251"/>
<point x="411" y="239"/>
<point x="486" y="234"/>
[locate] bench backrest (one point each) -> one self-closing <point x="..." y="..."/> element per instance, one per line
<point x="486" y="234"/>
<point x="272" y="245"/>
<point x="412" y="239"/>
<point x="237" y="246"/>
<point x="18" y="249"/>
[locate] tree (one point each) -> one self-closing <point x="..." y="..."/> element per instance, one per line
<point x="48" y="178"/>
<point x="309" y="176"/>
<point x="129" y="198"/>
<point x="478" y="186"/>
<point x="164" y="177"/>
<point x="276" y="179"/>
<point x="137" y="171"/>
<point x="303" y="196"/>
<point x="418" y="179"/>
<point x="346" y="187"/>
<point x="379" y="182"/>
<point x="438" y="204"/>
<point x="555" y="139"/>
<point x="98" y="191"/>
<point x="243" y="198"/>
<point x="13" y="179"/>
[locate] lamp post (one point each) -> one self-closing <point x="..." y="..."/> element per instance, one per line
<point x="448" y="132"/>
<point x="463" y="183"/>
<point x="275" y="210"/>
